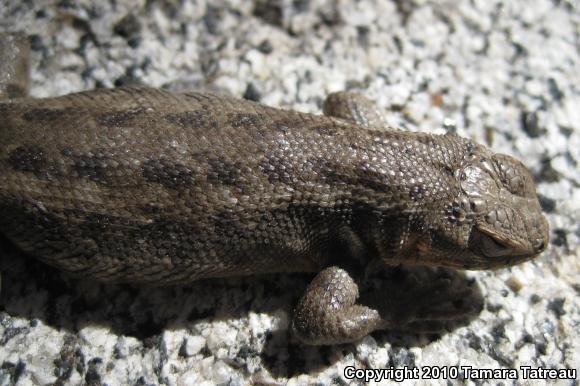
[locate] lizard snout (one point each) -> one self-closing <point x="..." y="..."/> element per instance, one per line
<point x="540" y="243"/>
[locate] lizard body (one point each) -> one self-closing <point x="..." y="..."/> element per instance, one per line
<point x="145" y="185"/>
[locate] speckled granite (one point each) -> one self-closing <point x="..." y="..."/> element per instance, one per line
<point x="504" y="73"/>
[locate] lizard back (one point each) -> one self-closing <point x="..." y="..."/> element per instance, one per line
<point x="138" y="184"/>
<point x="143" y="185"/>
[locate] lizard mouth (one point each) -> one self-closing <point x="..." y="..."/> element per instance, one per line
<point x="490" y="245"/>
<point x="498" y="251"/>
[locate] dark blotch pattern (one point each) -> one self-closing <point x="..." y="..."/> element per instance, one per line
<point x="96" y="222"/>
<point x="327" y="129"/>
<point x="278" y="169"/>
<point x="31" y="158"/>
<point x="169" y="174"/>
<point x="175" y="175"/>
<point x="93" y="168"/>
<point x="169" y="238"/>
<point x="193" y="119"/>
<point x="360" y="175"/>
<point x="42" y="229"/>
<point x="223" y="171"/>
<point x="97" y="166"/>
<point x="228" y="226"/>
<point x="245" y="120"/>
<point x="45" y="115"/>
<point x="119" y="118"/>
<point x="330" y="171"/>
<point x="284" y="125"/>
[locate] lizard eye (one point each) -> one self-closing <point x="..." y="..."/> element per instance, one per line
<point x="487" y="245"/>
<point x="514" y="175"/>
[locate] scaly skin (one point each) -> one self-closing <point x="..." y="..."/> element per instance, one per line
<point x="144" y="185"/>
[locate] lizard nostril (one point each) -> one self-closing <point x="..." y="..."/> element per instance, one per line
<point x="540" y="245"/>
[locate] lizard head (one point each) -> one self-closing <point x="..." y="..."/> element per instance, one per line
<point x="497" y="214"/>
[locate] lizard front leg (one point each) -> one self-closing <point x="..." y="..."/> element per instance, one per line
<point x="327" y="312"/>
<point x="354" y="108"/>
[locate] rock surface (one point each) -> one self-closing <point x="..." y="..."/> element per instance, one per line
<point x="503" y="73"/>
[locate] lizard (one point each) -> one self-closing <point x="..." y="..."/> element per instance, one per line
<point x="144" y="185"/>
